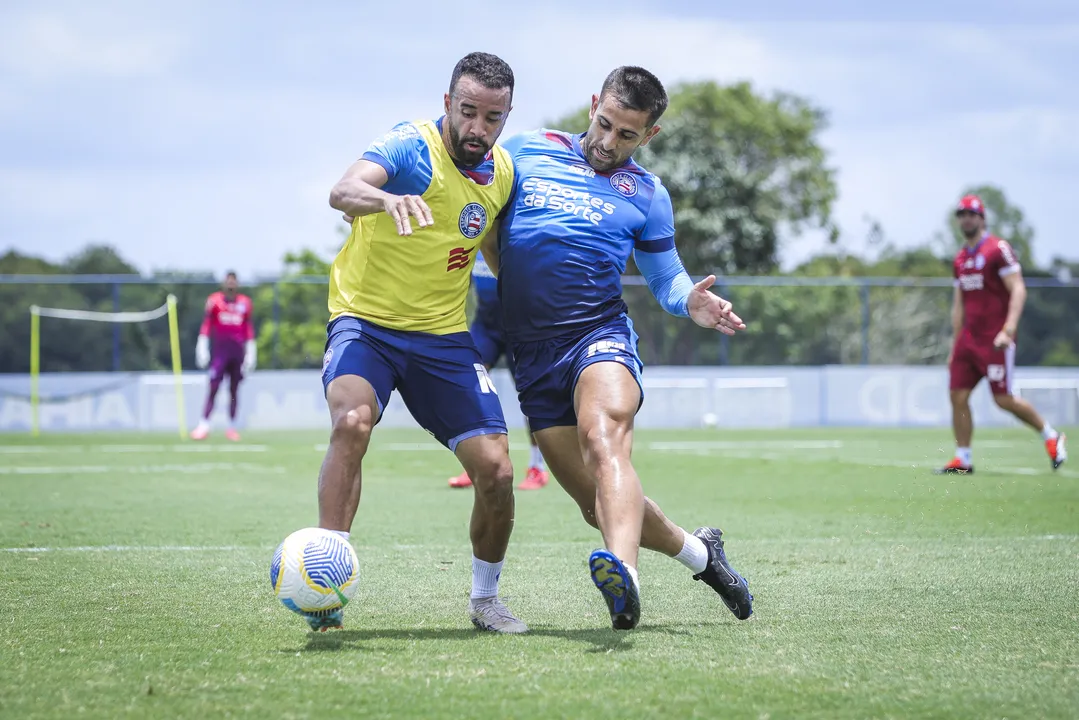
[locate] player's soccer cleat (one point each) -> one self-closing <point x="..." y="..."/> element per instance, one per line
<point x="461" y="481"/>
<point x="232" y="435"/>
<point x="534" y="480"/>
<point x="330" y="621"/>
<point x="732" y="588"/>
<point x="491" y="613"/>
<point x="955" y="467"/>
<point x="618" y="589"/>
<point x="200" y="433"/>
<point x="1057" y="453"/>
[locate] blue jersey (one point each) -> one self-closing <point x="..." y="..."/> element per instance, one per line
<point x="567" y="234"/>
<point x="406" y="158"/>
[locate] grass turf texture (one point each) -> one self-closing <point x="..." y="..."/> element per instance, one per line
<point x="882" y="590"/>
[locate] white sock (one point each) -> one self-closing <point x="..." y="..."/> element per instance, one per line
<point x="694" y="553"/>
<point x="341" y="533"/>
<point x="485" y="577"/>
<point x="965" y="455"/>
<point x="633" y="575"/>
<point x="204" y="424"/>
<point x="537" y="459"/>
<point x="1048" y="433"/>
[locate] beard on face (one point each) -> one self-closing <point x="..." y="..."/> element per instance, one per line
<point x="464" y="154"/>
<point x="969" y="231"/>
<point x="597" y="161"/>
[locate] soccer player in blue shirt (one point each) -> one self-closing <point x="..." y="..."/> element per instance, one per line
<point x="581" y="205"/>
<point x="490" y="339"/>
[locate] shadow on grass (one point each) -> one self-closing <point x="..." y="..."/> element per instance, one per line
<point x="599" y="640"/>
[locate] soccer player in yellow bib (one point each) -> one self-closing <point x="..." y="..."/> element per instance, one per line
<point x="422" y="199"/>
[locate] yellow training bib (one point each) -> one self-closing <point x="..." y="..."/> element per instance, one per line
<point x="420" y="282"/>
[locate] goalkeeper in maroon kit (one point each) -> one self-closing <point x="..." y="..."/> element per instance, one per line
<point x="989" y="298"/>
<point x="232" y="353"/>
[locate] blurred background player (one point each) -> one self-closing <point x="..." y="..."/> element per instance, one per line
<point x="227" y="344"/>
<point x="397" y="313"/>
<point x="581" y="206"/>
<point x="988" y="301"/>
<point x="490" y="339"/>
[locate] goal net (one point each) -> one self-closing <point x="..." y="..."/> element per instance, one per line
<point x="37" y="313"/>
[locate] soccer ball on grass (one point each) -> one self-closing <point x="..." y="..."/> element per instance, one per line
<point x="315" y="572"/>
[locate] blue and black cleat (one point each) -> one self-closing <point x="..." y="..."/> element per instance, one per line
<point x="618" y="589"/>
<point x="732" y="588"/>
<point x="323" y="621"/>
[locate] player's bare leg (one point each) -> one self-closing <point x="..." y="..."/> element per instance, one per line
<point x="1022" y="409"/>
<point x="353" y="413"/>
<point x="234" y="402"/>
<point x="561" y="447"/>
<point x="202" y="430"/>
<point x="702" y="551"/>
<point x="606" y="401"/>
<point x="963" y="429"/>
<point x="486" y="460"/>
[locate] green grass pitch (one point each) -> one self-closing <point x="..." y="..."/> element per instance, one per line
<point x="134" y="582"/>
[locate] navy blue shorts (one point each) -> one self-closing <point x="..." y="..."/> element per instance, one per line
<point x="547" y="370"/>
<point x="441" y="378"/>
<point x="491" y="341"/>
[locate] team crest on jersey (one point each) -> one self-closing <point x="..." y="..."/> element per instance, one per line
<point x="979" y="262"/>
<point x="472" y="221"/>
<point x="624" y="183"/>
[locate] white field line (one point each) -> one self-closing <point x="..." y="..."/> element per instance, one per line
<point x="110" y="449"/>
<point x="746" y="445"/>
<point x="147" y="470"/>
<point x="432" y="446"/>
<point x="749" y="542"/>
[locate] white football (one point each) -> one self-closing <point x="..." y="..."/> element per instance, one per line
<point x="314" y="572"/>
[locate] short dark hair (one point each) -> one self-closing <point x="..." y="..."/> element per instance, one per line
<point x="635" y="88"/>
<point x="488" y="70"/>
<point x="230" y="274"/>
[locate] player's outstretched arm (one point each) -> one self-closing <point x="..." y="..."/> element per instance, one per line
<point x="360" y="193"/>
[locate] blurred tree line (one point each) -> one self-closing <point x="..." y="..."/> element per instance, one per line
<point x="745" y="172"/>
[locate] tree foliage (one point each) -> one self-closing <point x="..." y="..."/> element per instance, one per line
<point x="744" y="171"/>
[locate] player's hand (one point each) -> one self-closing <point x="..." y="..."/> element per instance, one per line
<point x="250" y="357"/>
<point x="202" y="352"/>
<point x="404" y="207"/>
<point x="1002" y="340"/>
<point x="711" y="311"/>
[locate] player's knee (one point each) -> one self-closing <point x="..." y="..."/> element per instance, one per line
<point x="353" y="427"/>
<point x="960" y="398"/>
<point x="492" y="477"/>
<point x="604" y="438"/>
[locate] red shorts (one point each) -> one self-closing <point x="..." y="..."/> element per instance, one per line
<point x="974" y="360"/>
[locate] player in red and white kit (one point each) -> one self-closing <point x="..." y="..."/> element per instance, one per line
<point x="989" y="298"/>
<point x="228" y="322"/>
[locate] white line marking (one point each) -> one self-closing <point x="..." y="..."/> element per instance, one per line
<point x="746" y="445"/>
<point x="149" y="470"/>
<point x="748" y="542"/>
<point x="432" y="446"/>
<point x="147" y="449"/>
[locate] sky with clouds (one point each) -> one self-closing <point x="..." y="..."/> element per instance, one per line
<point x="206" y="135"/>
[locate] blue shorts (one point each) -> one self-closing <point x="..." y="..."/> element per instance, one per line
<point x="547" y="370"/>
<point x="440" y="377"/>
<point x="490" y="340"/>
